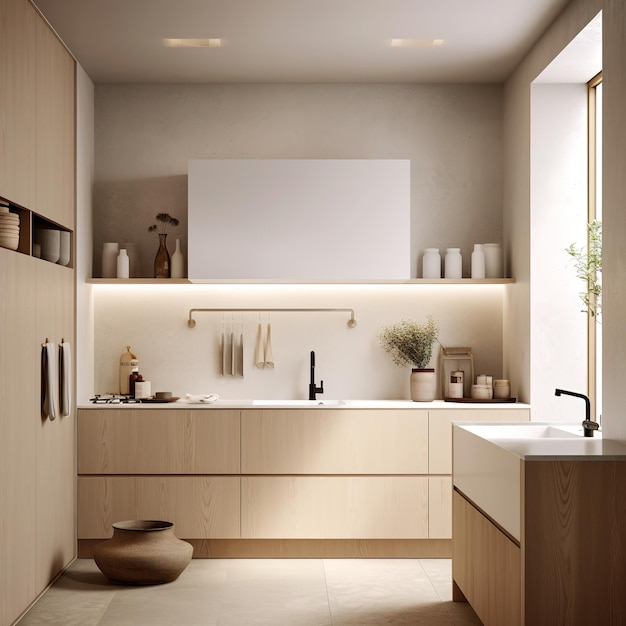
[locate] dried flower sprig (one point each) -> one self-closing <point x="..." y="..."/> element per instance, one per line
<point x="410" y="343"/>
<point x="166" y="221"/>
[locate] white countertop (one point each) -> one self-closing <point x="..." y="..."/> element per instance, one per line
<point x="533" y="447"/>
<point x="309" y="404"/>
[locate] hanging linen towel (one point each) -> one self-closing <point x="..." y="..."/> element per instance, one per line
<point x="49" y="381"/>
<point x="259" y="357"/>
<point x="269" y="356"/>
<point x="241" y="355"/>
<point x="233" y="354"/>
<point x="65" y="379"/>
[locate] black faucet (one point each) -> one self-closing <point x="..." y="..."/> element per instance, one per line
<point x="313" y="389"/>
<point x="588" y="425"/>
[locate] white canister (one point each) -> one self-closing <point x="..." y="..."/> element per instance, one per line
<point x="123" y="264"/>
<point x="109" y="259"/>
<point x="431" y="263"/>
<point x="453" y="263"/>
<point x="478" y="261"/>
<point x="480" y="392"/>
<point x="142" y="389"/>
<point x="493" y="260"/>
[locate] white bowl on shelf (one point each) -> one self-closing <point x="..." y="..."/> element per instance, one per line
<point x="50" y="241"/>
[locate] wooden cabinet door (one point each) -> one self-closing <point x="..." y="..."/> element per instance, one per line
<point x="19" y="404"/>
<point x="18" y="150"/>
<point x="327" y="441"/>
<point x="158" y="441"/>
<point x="55" y="440"/>
<point x="55" y="128"/>
<point x="334" y="507"/>
<point x="440" y="431"/>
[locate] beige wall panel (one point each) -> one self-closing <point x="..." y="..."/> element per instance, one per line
<point x="439" y="507"/>
<point x="158" y="441"/>
<point x="55" y="440"/>
<point x="440" y="431"/>
<point x="55" y="129"/>
<point x="18" y="21"/>
<point x="19" y="395"/>
<point x="200" y="507"/>
<point x="343" y="441"/>
<point x="339" y="507"/>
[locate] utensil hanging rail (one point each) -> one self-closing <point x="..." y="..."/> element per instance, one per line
<point x="192" y="322"/>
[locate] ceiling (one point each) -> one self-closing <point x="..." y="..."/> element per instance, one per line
<point x="303" y="41"/>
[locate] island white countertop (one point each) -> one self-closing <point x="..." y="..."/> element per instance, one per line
<point x="572" y="446"/>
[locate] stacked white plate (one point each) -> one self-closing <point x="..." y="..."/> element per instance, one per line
<point x="9" y="228"/>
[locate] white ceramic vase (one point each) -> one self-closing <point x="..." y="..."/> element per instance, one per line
<point x="431" y="263"/>
<point x="177" y="263"/>
<point x="423" y="385"/>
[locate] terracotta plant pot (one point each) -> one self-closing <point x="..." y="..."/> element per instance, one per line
<point x="423" y="385"/>
<point x="142" y="552"/>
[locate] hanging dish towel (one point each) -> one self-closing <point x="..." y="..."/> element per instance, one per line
<point x="241" y="355"/>
<point x="269" y="356"/>
<point x="49" y="380"/>
<point x="233" y="354"/>
<point x="65" y="379"/>
<point x="259" y="358"/>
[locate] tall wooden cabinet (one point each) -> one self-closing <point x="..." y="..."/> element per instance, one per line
<point x="37" y="176"/>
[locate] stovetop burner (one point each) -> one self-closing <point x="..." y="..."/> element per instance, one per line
<point x="113" y="399"/>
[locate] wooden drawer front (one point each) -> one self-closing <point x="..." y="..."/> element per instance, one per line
<point x="338" y="507"/>
<point x="486" y="566"/>
<point x="327" y="441"/>
<point x="199" y="507"/>
<point x="440" y="431"/>
<point x="158" y="441"/>
<point x="439" y="507"/>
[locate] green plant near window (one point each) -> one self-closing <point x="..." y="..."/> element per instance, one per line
<point x="588" y="264"/>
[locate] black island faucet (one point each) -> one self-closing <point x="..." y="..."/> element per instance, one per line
<point x="313" y="389"/>
<point x="588" y="425"/>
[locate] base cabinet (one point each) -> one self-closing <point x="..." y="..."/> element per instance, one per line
<point x="281" y="482"/>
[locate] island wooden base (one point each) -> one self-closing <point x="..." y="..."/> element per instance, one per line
<point x="308" y="548"/>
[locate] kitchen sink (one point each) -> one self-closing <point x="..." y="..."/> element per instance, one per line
<point x="299" y="403"/>
<point x="526" y="430"/>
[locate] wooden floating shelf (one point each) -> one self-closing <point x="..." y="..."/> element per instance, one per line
<point x="412" y="281"/>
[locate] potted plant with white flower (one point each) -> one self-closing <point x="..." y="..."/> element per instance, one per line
<point x="410" y="343"/>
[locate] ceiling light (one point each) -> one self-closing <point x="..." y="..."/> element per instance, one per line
<point x="193" y="43"/>
<point x="416" y="43"/>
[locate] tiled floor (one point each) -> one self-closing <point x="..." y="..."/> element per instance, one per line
<point x="276" y="592"/>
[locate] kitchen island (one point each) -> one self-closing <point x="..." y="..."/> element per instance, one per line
<point x="539" y="525"/>
<point x="285" y="478"/>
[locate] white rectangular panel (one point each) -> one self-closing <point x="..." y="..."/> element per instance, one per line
<point x="299" y="219"/>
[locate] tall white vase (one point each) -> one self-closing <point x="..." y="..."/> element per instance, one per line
<point x="177" y="263"/>
<point x="423" y="385"/>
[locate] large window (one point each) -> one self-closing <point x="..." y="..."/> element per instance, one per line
<point x="595" y="213"/>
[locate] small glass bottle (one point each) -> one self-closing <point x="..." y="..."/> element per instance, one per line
<point x="133" y="379"/>
<point x="453" y="263"/>
<point x="478" y="261"/>
<point x="431" y="263"/>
